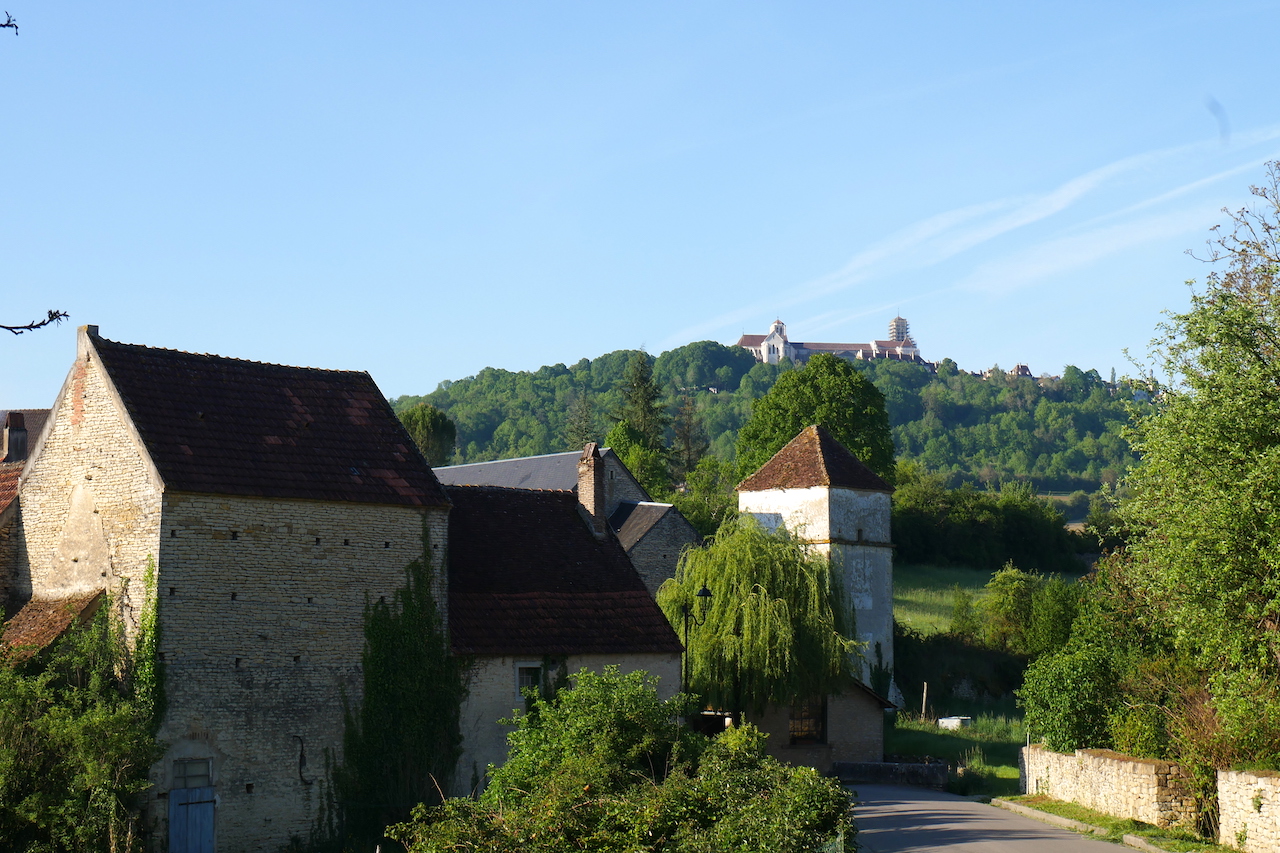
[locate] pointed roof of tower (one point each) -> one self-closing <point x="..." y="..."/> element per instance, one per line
<point x="814" y="458"/>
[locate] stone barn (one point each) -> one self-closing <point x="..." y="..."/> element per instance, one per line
<point x="270" y="500"/>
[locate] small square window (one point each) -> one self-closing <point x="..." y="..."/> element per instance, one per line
<point x="809" y="722"/>
<point x="528" y="676"/>
<point x="192" y="773"/>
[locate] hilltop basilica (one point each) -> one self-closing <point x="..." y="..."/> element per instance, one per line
<point x="773" y="347"/>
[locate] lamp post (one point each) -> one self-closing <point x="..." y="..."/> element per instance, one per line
<point x="704" y="600"/>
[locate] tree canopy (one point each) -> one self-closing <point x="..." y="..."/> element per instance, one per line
<point x="828" y="391"/>
<point x="1056" y="434"/>
<point x="1176" y="652"/>
<point x="433" y="432"/>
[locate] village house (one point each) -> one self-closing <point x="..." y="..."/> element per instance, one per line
<point x="653" y="533"/>
<point x="263" y="505"/>
<point x="821" y="493"/>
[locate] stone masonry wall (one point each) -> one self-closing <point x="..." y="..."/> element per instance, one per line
<point x="89" y="506"/>
<point x="855" y="732"/>
<point x="261" y="606"/>
<point x="1249" y="810"/>
<point x="656" y="554"/>
<point x="1144" y="789"/>
<point x="493" y="695"/>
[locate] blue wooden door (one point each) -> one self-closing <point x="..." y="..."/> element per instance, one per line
<point x="191" y="820"/>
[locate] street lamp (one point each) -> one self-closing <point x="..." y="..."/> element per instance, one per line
<point x="704" y="600"/>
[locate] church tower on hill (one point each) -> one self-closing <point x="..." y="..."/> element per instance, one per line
<point x="820" y="492"/>
<point x="899" y="330"/>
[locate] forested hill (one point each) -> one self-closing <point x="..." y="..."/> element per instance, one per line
<point x="1059" y="434"/>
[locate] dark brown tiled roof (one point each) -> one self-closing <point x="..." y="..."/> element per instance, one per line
<point x="9" y="472"/>
<point x="527" y="577"/>
<point x="751" y="340"/>
<point x="631" y="521"/>
<point x="224" y="426"/>
<point x="814" y="458"/>
<point x="43" y="620"/>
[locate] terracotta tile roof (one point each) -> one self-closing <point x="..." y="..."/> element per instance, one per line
<point x="751" y="340"/>
<point x="9" y="472"/>
<point x="43" y="620"/>
<point x="217" y="425"/>
<point x="527" y="577"/>
<point x="631" y="521"/>
<point x="814" y="458"/>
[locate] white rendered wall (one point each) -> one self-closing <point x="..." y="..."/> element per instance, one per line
<point x="851" y="528"/>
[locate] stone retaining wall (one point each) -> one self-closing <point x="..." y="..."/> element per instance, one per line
<point x="1249" y="810"/>
<point x="1144" y="789"/>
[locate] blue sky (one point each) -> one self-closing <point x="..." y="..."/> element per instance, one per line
<point x="421" y="190"/>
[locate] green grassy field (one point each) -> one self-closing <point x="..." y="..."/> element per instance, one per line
<point x="987" y="750"/>
<point x="923" y="596"/>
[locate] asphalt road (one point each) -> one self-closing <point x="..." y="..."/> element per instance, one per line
<point x="893" y="819"/>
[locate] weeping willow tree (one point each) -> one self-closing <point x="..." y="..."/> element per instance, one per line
<point x="776" y="630"/>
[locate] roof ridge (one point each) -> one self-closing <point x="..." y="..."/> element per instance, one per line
<point x="507" y="488"/>
<point x="209" y="355"/>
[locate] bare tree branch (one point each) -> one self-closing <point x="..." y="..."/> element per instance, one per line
<point x="10" y="23"/>
<point x="54" y="317"/>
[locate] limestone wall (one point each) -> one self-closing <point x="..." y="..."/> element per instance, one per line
<point x="855" y="732"/>
<point x="655" y="556"/>
<point x="1152" y="791"/>
<point x="261" y="606"/>
<point x="493" y="695"/>
<point x="1249" y="810"/>
<point x="89" y="506"/>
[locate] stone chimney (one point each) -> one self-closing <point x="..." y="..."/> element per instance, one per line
<point x="14" y="448"/>
<point x="591" y="498"/>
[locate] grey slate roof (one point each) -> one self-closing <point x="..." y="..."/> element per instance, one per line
<point x="551" y="471"/>
<point x="631" y="521"/>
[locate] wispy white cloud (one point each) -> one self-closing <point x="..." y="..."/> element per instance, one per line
<point x="942" y="236"/>
<point x="1065" y="254"/>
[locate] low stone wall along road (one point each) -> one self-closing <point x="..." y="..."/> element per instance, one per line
<point x="899" y="819"/>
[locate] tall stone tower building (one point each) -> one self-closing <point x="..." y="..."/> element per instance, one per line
<point x="821" y="493"/>
<point x="899" y="330"/>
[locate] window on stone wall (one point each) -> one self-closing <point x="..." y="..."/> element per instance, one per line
<point x="809" y="722"/>
<point x="192" y="773"/>
<point x="528" y="675"/>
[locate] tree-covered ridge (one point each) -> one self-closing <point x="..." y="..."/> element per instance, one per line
<point x="1059" y="434"/>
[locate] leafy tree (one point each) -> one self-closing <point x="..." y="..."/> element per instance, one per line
<point x="827" y="391"/>
<point x="647" y="464"/>
<point x="606" y="766"/>
<point x="777" y="628"/>
<point x="1203" y="516"/>
<point x="1069" y="698"/>
<point x="709" y="497"/>
<point x="77" y="726"/>
<point x="433" y="432"/>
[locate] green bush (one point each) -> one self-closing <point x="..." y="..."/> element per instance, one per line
<point x="604" y="766"/>
<point x="1069" y="697"/>
<point x="76" y="740"/>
